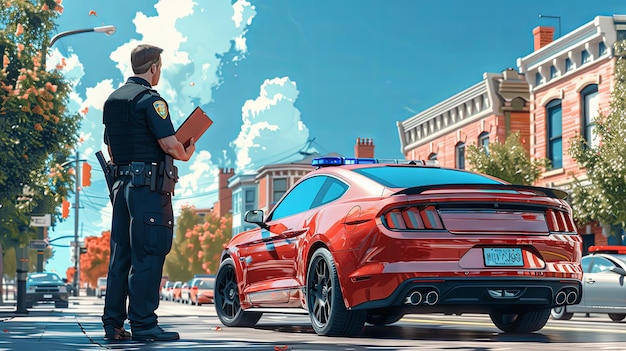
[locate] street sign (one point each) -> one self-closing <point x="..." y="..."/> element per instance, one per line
<point x="40" y="221"/>
<point x="37" y="244"/>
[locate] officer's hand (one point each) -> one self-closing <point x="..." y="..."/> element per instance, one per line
<point x="191" y="148"/>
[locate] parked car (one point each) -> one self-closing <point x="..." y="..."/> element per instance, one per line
<point x="604" y="271"/>
<point x="46" y="287"/>
<point x="359" y="241"/>
<point x="176" y="291"/>
<point x="101" y="287"/>
<point x="166" y="291"/>
<point x="202" y="290"/>
<point x="184" y="292"/>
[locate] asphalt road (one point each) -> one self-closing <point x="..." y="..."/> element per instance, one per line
<point x="79" y="328"/>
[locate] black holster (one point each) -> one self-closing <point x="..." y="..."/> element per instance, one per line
<point x="169" y="175"/>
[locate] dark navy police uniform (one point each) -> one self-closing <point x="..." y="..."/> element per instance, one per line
<point x="135" y="117"/>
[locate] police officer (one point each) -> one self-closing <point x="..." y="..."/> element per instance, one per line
<point x="142" y="145"/>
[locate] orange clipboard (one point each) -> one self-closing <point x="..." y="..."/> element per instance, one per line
<point x="193" y="127"/>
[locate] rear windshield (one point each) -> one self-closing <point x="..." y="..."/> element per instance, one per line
<point x="408" y="177"/>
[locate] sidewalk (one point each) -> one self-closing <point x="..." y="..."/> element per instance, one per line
<point x="76" y="328"/>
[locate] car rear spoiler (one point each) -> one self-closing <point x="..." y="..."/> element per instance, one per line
<point x="553" y="193"/>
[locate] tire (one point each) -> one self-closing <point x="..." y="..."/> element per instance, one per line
<point x="327" y="310"/>
<point x="616" y="317"/>
<point x="560" y="313"/>
<point x="227" y="304"/>
<point x="526" y="322"/>
<point x="382" y="318"/>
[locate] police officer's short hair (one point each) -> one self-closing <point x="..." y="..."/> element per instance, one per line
<point x="144" y="56"/>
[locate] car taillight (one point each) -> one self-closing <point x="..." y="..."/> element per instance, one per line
<point x="413" y="218"/>
<point x="559" y="221"/>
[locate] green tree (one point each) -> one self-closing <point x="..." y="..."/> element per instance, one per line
<point x="601" y="195"/>
<point x="509" y="161"/>
<point x="176" y="263"/>
<point x="36" y="132"/>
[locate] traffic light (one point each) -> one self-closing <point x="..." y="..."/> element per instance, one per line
<point x="86" y="174"/>
<point x="65" y="209"/>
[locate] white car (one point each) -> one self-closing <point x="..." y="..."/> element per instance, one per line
<point x="604" y="275"/>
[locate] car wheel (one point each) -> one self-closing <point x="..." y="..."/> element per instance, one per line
<point x="526" y="322"/>
<point x="327" y="310"/>
<point x="560" y="313"/>
<point x="616" y="317"/>
<point x="382" y="318"/>
<point x="227" y="304"/>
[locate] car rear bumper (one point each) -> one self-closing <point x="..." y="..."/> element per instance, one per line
<point x="477" y="295"/>
<point x="32" y="298"/>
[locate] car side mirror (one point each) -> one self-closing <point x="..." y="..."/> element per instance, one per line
<point x="255" y="217"/>
<point x="618" y="270"/>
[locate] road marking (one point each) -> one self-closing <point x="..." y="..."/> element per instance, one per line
<point x="484" y="324"/>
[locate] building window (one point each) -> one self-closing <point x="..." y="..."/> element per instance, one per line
<point x="250" y="200"/>
<point x="460" y="155"/>
<point x="483" y="141"/>
<point x="568" y="65"/>
<point x="553" y="72"/>
<point x="432" y="156"/>
<point x="237" y="202"/>
<point x="555" y="134"/>
<point x="584" y="57"/>
<point x="601" y="48"/>
<point x="621" y="35"/>
<point x="279" y="188"/>
<point x="538" y="78"/>
<point x="590" y="105"/>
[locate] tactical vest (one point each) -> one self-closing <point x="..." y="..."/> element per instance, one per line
<point x="128" y="132"/>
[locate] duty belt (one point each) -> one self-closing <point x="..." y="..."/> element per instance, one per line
<point x="127" y="170"/>
<point x="160" y="176"/>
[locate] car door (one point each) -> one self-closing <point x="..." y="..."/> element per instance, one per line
<point x="269" y="258"/>
<point x="601" y="287"/>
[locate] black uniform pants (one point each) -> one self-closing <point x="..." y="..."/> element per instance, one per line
<point x="141" y="236"/>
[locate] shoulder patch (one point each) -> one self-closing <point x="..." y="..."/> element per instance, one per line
<point x="161" y="108"/>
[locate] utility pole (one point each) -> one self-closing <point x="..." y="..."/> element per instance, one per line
<point x="76" y="243"/>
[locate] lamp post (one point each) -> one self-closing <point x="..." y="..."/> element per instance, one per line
<point x="554" y="17"/>
<point x="108" y="30"/>
<point x="76" y="243"/>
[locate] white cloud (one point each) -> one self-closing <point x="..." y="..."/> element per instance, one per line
<point x="272" y="130"/>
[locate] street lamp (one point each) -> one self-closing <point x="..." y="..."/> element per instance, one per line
<point x="108" y="30"/>
<point x="553" y="17"/>
<point x="76" y="203"/>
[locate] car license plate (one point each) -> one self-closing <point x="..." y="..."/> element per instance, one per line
<point x="47" y="296"/>
<point x="503" y="257"/>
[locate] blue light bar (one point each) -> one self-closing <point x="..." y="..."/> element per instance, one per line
<point x="340" y="161"/>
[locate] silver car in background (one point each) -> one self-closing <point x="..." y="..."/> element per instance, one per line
<point x="604" y="284"/>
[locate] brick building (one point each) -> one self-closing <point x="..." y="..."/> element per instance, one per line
<point x="553" y="96"/>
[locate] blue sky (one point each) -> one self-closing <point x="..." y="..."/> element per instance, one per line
<point x="273" y="74"/>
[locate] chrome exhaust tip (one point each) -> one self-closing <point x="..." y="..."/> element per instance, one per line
<point x="432" y="297"/>
<point x="572" y="296"/>
<point x="415" y="298"/>
<point x="560" y="297"/>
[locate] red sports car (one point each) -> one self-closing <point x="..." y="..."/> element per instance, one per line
<point x="357" y="241"/>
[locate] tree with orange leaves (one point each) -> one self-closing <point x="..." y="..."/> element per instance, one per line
<point x="37" y="131"/>
<point x="95" y="262"/>
<point x="198" y="243"/>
